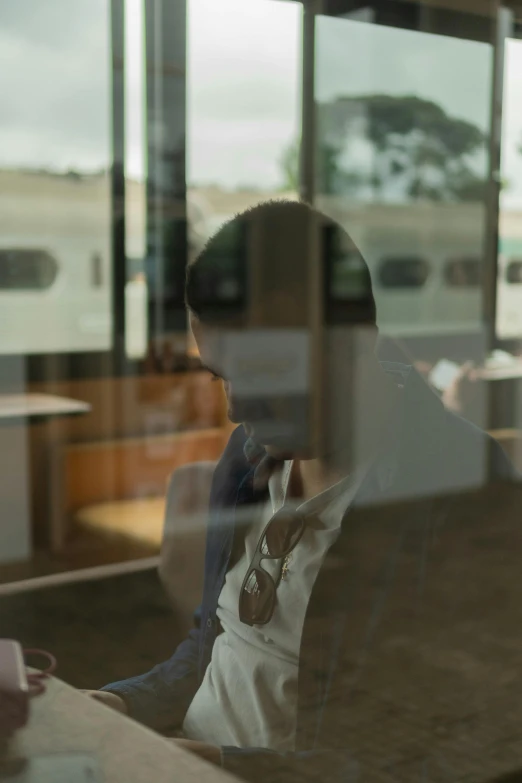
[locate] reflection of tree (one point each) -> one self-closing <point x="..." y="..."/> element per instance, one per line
<point x="289" y="162"/>
<point x="417" y="151"/>
<point x="334" y="178"/>
<point x="417" y="140"/>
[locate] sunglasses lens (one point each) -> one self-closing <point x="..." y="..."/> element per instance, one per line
<point x="282" y="534"/>
<point x="256" y="603"/>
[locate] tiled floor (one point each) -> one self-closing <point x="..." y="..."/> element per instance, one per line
<point x="99" y="630"/>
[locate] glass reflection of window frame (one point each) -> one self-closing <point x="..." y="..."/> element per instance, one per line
<point x="466" y="24"/>
<point x="97" y="264"/>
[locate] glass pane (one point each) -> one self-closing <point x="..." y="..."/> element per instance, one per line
<point x="402" y="162"/>
<point x="341" y="372"/>
<point x="509" y="299"/>
<point x="243" y="107"/>
<point x="55" y="207"/>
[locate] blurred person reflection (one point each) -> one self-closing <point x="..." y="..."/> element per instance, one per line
<point x="264" y="683"/>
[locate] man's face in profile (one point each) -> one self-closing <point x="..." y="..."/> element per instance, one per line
<point x="271" y="386"/>
<point x="265" y="374"/>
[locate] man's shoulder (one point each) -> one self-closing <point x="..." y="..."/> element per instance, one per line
<point x="235" y="449"/>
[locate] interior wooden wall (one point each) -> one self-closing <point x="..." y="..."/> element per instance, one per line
<point x="126" y="446"/>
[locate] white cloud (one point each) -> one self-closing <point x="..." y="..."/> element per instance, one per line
<point x="243" y="87"/>
<point x="54" y="82"/>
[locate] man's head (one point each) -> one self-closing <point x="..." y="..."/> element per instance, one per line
<point x="252" y="295"/>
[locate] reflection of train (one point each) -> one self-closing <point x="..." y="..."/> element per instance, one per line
<point x="55" y="263"/>
<point x="509" y="291"/>
<point x="55" y="260"/>
<point x="426" y="263"/>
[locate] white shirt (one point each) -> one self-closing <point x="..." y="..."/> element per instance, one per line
<point x="248" y="697"/>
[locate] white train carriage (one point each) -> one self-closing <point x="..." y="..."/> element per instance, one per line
<point x="55" y="263"/>
<point x="426" y="262"/>
<point x="509" y="280"/>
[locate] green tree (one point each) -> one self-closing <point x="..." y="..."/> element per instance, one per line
<point x="289" y="163"/>
<point x="332" y="177"/>
<point x="416" y="145"/>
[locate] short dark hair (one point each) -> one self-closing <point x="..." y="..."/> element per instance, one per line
<point x="224" y="259"/>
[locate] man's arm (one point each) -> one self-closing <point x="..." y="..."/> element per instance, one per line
<point x="160" y="698"/>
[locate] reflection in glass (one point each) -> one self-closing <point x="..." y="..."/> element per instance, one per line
<point x="401" y="159"/>
<point x="55" y="206"/>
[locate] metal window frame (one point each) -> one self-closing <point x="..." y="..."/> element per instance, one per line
<point x="399" y="13"/>
<point x="54" y="366"/>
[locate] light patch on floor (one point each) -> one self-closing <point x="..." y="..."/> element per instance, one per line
<point x="140" y="519"/>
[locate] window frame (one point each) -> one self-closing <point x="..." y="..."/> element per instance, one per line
<point x="398" y="13"/>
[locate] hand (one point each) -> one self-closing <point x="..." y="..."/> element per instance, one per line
<point x="210" y="753"/>
<point x="109" y="699"/>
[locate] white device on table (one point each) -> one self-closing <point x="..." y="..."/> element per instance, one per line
<point x="14" y="688"/>
<point x="17" y="685"/>
<point x="443" y="374"/>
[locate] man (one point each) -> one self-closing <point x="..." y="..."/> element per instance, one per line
<point x="308" y="524"/>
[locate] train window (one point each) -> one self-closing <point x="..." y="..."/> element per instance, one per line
<point x="462" y="272"/>
<point x="514" y="272"/>
<point x="406" y="272"/>
<point x="26" y="270"/>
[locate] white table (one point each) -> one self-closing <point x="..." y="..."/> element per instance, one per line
<point x="500" y="373"/>
<point x="15" y="517"/>
<point x="64" y="720"/>
<point x="26" y="406"/>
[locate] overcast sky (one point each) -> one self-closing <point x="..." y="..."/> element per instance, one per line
<point x="53" y="82"/>
<point x="243" y="77"/>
